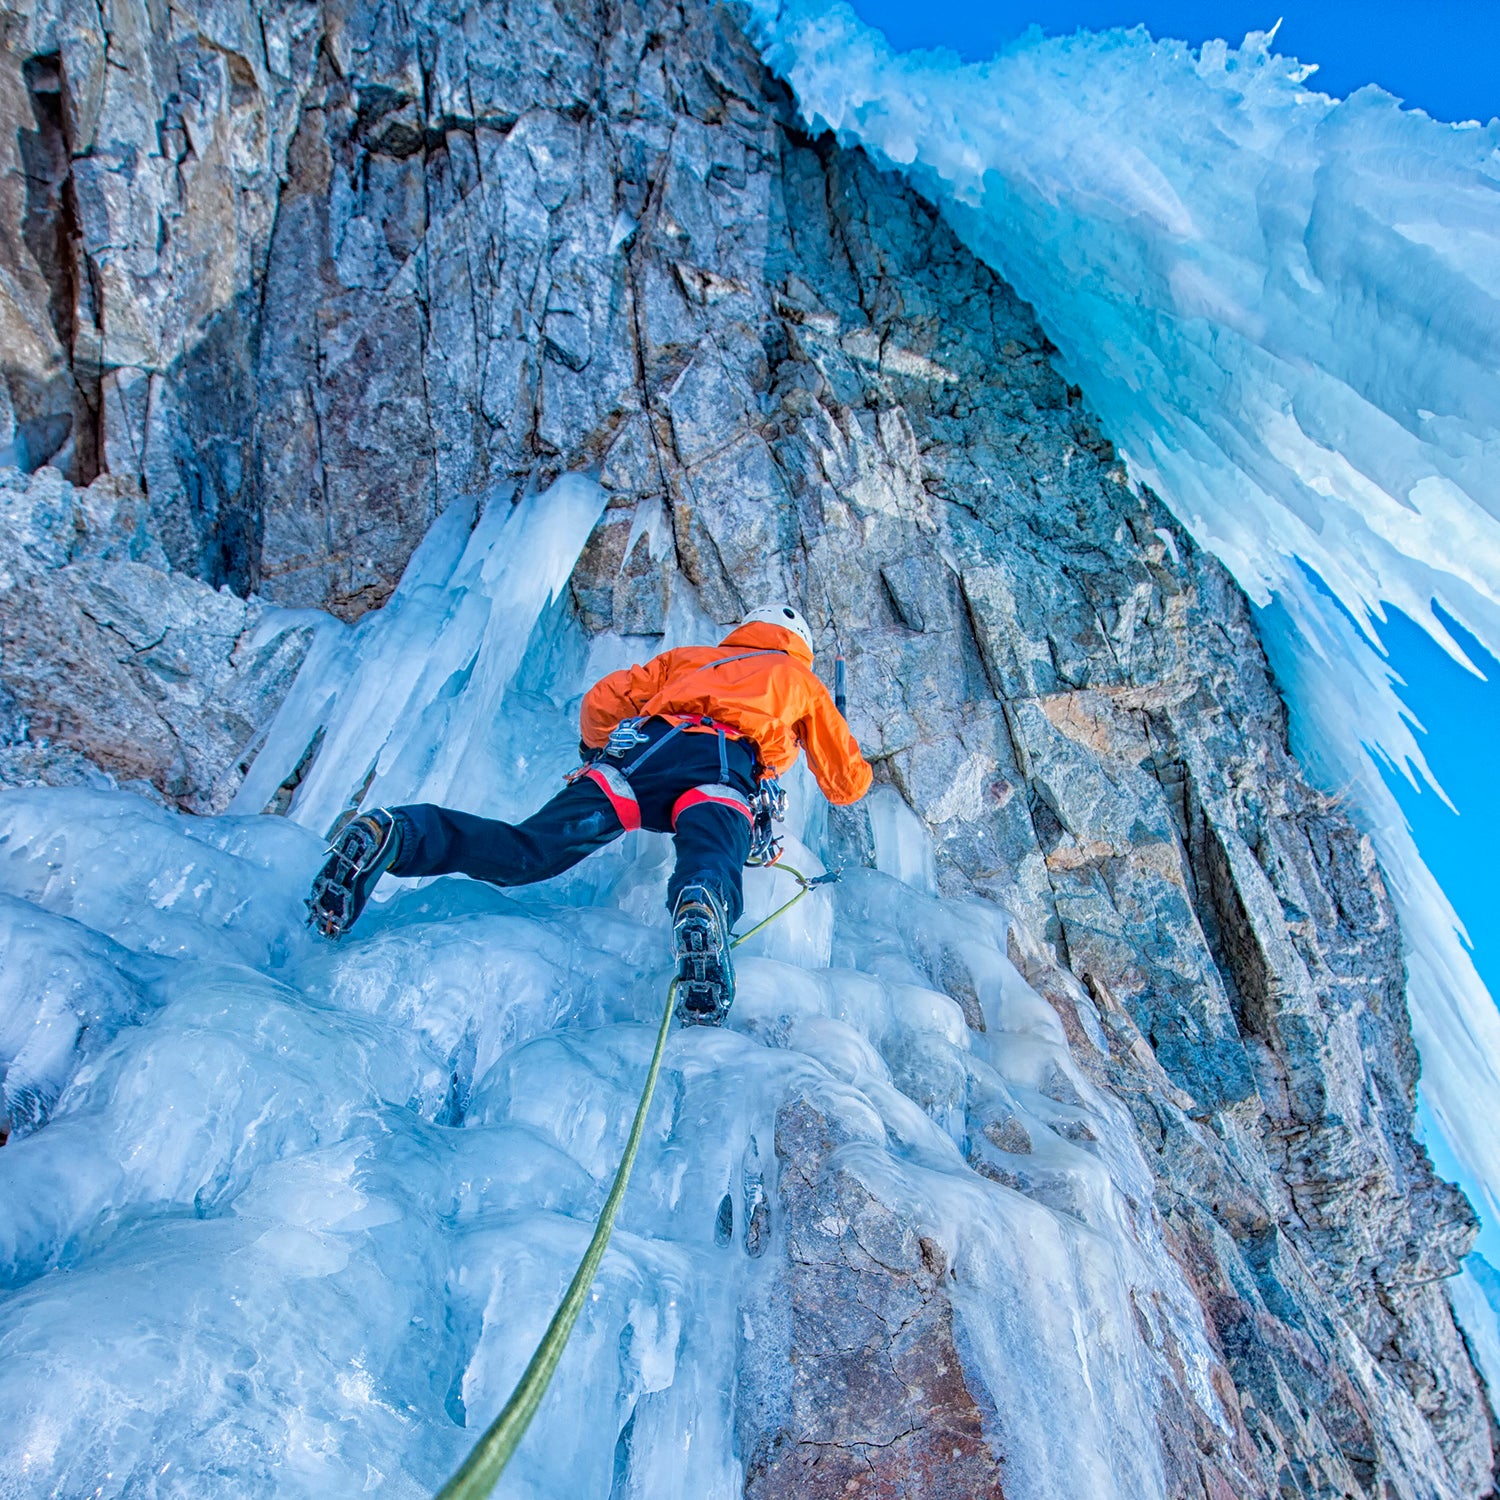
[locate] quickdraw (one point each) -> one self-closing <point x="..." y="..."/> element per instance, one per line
<point x="769" y="808"/>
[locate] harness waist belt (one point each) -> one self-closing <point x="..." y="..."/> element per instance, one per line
<point x="689" y="723"/>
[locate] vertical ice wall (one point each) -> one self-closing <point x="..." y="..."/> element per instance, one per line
<point x="405" y="705"/>
<point x="1286" y="310"/>
<point x="316" y="1204"/>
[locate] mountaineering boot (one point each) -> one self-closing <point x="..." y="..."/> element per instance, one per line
<point x="700" y="944"/>
<point x="363" y="851"/>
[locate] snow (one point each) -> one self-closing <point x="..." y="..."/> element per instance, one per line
<point x="1286" y="310"/>
<point x="282" y="1216"/>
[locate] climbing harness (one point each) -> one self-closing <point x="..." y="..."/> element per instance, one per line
<point x="477" y="1476"/>
<point x="627" y="735"/>
<point x="633" y="737"/>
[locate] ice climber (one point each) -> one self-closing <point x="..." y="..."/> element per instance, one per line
<point x="692" y="743"/>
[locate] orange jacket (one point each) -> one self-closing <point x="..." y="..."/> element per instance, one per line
<point x="772" y="699"/>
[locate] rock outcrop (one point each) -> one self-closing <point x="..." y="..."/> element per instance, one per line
<point x="875" y="1401"/>
<point x="279" y="285"/>
<point x="116" y="669"/>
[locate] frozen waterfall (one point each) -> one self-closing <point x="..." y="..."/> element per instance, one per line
<point x="1286" y="310"/>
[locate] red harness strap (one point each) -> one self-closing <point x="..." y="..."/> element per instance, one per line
<point x="621" y="797"/>
<point x="723" y="796"/>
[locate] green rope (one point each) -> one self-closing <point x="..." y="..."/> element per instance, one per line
<point x="477" y="1476"/>
<point x="480" y="1471"/>
<point x="780" y="911"/>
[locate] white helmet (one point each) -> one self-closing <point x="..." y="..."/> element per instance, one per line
<point x="783" y="615"/>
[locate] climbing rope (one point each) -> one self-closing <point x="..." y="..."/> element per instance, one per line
<point x="477" y="1476"/>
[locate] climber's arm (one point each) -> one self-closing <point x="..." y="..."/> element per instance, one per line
<point x="617" y="697"/>
<point x="832" y="751"/>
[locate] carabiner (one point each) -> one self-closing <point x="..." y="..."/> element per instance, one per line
<point x="624" y="737"/>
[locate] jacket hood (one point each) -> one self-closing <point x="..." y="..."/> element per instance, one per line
<point x="760" y="635"/>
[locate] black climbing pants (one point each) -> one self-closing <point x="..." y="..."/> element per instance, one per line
<point x="695" y="784"/>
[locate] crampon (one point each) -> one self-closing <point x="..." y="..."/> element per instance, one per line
<point x="363" y="851"/>
<point x="705" y="970"/>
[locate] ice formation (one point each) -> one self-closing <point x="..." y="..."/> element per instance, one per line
<point x="356" y="1286"/>
<point x="1285" y="309"/>
<point x="1476" y="1296"/>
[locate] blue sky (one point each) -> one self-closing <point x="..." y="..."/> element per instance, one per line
<point x="1462" y="719"/>
<point x="1436" y="55"/>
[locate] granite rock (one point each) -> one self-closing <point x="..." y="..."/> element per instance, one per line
<point x="116" y="669"/>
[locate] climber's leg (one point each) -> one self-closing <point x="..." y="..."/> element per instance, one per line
<point x="579" y="819"/>
<point x="712" y="827"/>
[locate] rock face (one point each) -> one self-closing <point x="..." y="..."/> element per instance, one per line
<point x="292" y="279"/>
<point x="877" y="1403"/>
<point x="113" y="667"/>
